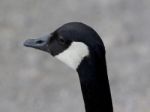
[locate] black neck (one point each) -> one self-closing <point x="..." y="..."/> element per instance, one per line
<point x="95" y="86"/>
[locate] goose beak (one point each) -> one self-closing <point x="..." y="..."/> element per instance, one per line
<point x="40" y="43"/>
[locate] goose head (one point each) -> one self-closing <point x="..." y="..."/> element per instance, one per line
<point x="71" y="43"/>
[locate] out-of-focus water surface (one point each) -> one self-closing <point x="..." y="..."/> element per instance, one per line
<point x="32" y="81"/>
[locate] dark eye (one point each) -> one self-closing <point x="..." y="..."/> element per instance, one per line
<point x="61" y="41"/>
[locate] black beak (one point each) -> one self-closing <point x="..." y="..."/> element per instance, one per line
<point x="40" y="43"/>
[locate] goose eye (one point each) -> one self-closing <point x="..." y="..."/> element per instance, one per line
<point x="61" y="41"/>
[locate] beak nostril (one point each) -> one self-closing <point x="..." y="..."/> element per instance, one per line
<point x="39" y="41"/>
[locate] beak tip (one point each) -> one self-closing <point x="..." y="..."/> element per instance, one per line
<point x="25" y="43"/>
<point x="28" y="43"/>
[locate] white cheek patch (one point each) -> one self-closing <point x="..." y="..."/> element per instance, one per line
<point x="73" y="55"/>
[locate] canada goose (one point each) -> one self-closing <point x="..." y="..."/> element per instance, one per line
<point x="82" y="49"/>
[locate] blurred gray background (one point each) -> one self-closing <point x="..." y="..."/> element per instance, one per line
<point x="32" y="81"/>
